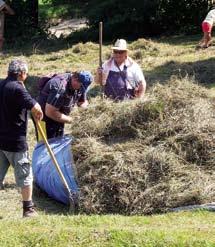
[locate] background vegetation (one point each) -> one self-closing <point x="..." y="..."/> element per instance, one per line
<point x="129" y="19"/>
<point x="137" y="18"/>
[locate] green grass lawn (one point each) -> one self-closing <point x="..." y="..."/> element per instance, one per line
<point x="178" y="229"/>
<point x="159" y="59"/>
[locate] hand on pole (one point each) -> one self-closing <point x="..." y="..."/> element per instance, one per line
<point x="37" y="112"/>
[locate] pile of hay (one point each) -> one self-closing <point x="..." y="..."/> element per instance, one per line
<point x="142" y="157"/>
<point x="142" y="47"/>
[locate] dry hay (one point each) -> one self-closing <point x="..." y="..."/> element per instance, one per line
<point x="83" y="49"/>
<point x="142" y="47"/>
<point x="142" y="157"/>
<point x="202" y="70"/>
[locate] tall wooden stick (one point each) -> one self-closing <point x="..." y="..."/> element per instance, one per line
<point x="100" y="43"/>
<point x="100" y="55"/>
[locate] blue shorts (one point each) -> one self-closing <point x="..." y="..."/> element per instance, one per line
<point x="21" y="164"/>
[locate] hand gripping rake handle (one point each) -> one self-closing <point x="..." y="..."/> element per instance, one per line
<point x="73" y="204"/>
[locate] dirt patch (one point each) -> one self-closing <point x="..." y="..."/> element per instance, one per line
<point x="66" y="27"/>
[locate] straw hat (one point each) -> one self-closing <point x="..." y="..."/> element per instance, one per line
<point x="120" y="45"/>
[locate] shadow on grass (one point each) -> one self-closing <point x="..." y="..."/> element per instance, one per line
<point x="47" y="204"/>
<point x="202" y="71"/>
<point x="10" y="186"/>
<point x="43" y="44"/>
<point x="95" y="91"/>
<point x="40" y="46"/>
<point x="183" y="40"/>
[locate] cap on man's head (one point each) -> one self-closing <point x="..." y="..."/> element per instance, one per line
<point x="16" y="66"/>
<point x="120" y="45"/>
<point x="85" y="78"/>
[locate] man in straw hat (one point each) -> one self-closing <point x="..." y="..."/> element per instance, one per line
<point x="15" y="102"/>
<point x="4" y="9"/>
<point x="122" y="77"/>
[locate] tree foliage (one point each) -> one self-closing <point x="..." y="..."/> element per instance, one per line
<point x="135" y="18"/>
<point x="127" y="18"/>
<point x="25" y="20"/>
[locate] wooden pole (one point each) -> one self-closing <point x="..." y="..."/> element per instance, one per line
<point x="100" y="43"/>
<point x="100" y="55"/>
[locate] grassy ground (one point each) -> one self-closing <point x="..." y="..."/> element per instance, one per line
<point x="159" y="59"/>
<point x="183" y="229"/>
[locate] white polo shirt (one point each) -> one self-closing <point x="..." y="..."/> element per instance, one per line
<point x="134" y="72"/>
<point x="210" y="18"/>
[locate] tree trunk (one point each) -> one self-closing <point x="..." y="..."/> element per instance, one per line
<point x="33" y="12"/>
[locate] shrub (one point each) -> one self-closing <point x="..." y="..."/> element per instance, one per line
<point x="133" y="18"/>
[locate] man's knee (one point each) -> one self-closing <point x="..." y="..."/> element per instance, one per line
<point x="23" y="171"/>
<point x="24" y="176"/>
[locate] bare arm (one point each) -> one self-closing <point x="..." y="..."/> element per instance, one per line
<point x="54" y="113"/>
<point x="140" y="89"/>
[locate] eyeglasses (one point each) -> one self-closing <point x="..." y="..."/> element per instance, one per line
<point x="118" y="51"/>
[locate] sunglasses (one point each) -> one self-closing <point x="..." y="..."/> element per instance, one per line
<point x="117" y="51"/>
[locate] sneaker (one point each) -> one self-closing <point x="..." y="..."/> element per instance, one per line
<point x="29" y="212"/>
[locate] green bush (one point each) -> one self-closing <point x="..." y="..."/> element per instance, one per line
<point x="25" y="21"/>
<point x="135" y="18"/>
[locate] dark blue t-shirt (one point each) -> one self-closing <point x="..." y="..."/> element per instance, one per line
<point x="15" y="101"/>
<point x="59" y="93"/>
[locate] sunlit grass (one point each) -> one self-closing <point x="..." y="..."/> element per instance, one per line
<point x="179" y="229"/>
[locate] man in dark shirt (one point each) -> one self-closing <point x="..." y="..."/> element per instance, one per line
<point x="15" y="101"/>
<point x="59" y="96"/>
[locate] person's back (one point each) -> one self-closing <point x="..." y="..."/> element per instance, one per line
<point x="53" y="93"/>
<point x="210" y="18"/>
<point x="14" y="102"/>
<point x="48" y="92"/>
